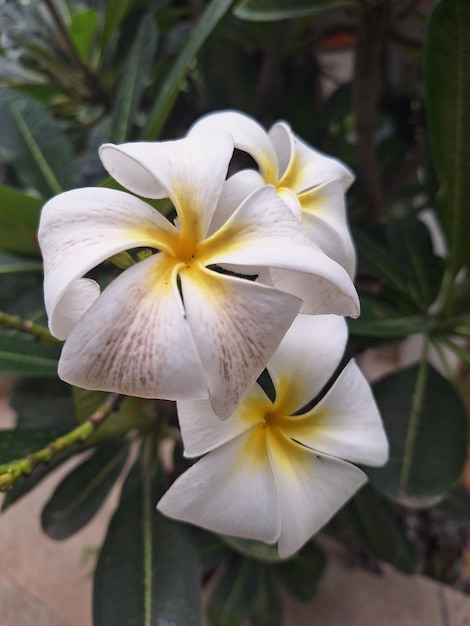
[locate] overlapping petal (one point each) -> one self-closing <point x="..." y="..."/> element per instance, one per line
<point x="190" y="171"/>
<point x="135" y="339"/>
<point x="229" y="491"/>
<point x="263" y="232"/>
<point x="81" y="228"/>
<point x="237" y="325"/>
<point x="306" y="359"/>
<point x="311" y="488"/>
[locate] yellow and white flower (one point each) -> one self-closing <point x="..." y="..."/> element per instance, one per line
<point x="311" y="183"/>
<point x="278" y="470"/>
<point x="173" y="325"/>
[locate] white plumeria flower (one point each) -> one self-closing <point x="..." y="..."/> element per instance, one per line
<point x="274" y="471"/>
<point x="310" y="182"/>
<point x="170" y="326"/>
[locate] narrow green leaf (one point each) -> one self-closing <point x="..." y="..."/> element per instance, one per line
<point x="380" y="530"/>
<point x="83" y="28"/>
<point x="427" y="431"/>
<point x="79" y="496"/>
<point x="213" y="13"/>
<point x="17" y="443"/>
<point x="301" y="573"/>
<point x="447" y="99"/>
<point x="21" y="355"/>
<point x="254" y="549"/>
<point x="115" y="12"/>
<point x="34" y="144"/>
<point x="271" y="10"/>
<point x="43" y="402"/>
<point x="12" y="264"/>
<point x="148" y="571"/>
<point x="457" y="505"/>
<point x="19" y="219"/>
<point x="134" y="79"/>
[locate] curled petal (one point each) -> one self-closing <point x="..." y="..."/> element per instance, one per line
<point x="201" y="429"/>
<point x="236" y="189"/>
<point x="264" y="232"/>
<point x="135" y="339"/>
<point x="311" y="488"/>
<point x="346" y="423"/>
<point x="237" y="325"/>
<point x="229" y="491"/>
<point x="307" y="167"/>
<point x="306" y="359"/>
<point x="80" y="229"/>
<point x="175" y="169"/>
<point x="76" y="300"/>
<point x="324" y="218"/>
<point x="247" y="135"/>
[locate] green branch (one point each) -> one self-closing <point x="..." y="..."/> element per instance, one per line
<point x="15" y="322"/>
<point x="11" y="472"/>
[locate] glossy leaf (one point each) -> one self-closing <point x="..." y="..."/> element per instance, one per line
<point x="80" y="495"/>
<point x="271" y="10"/>
<point x="21" y="355"/>
<point x="17" y="443"/>
<point x="301" y="573"/>
<point x="43" y="402"/>
<point x="380" y="319"/>
<point x="19" y="219"/>
<point x="134" y="80"/>
<point x="35" y="146"/>
<point x="209" y="19"/>
<point x="380" y="531"/>
<point x="447" y="99"/>
<point x="426" y="426"/>
<point x="148" y="571"/>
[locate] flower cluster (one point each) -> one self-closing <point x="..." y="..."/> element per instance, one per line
<point x="254" y="273"/>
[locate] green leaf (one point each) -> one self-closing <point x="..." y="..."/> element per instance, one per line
<point x="380" y="531"/>
<point x="254" y="549"/>
<point x="80" y="495"/>
<point x="13" y="264"/>
<point x="19" y="220"/>
<point x="426" y="426"/>
<point x="17" y="443"/>
<point x="447" y="99"/>
<point x="115" y="12"/>
<point x="148" y="571"/>
<point x="34" y="144"/>
<point x="83" y="28"/>
<point x="134" y="79"/>
<point x="301" y="573"/>
<point x="380" y="319"/>
<point x="21" y="355"/>
<point x="43" y="402"/>
<point x="246" y="589"/>
<point x="271" y="10"/>
<point x="457" y="505"/>
<point x="213" y="13"/>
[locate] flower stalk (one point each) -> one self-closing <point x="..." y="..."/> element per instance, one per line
<point x="15" y="322"/>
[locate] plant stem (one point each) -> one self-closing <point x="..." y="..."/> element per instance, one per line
<point x="11" y="472"/>
<point x="15" y="322"/>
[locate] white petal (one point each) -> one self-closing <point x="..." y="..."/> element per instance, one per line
<point x="230" y="491"/>
<point x="306" y="359"/>
<point x="319" y="296"/>
<point x="201" y="429"/>
<point x="237" y="324"/>
<point x="307" y="167"/>
<point x="190" y="171"/>
<point x="135" y="339"/>
<point x="264" y="232"/>
<point x="311" y="487"/>
<point x="247" y="135"/>
<point x="73" y="305"/>
<point x="236" y="189"/>
<point x="324" y="218"/>
<point x="80" y="229"/>
<point x="346" y="423"/>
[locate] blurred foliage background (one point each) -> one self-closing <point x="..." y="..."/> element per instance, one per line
<point x="383" y="85"/>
